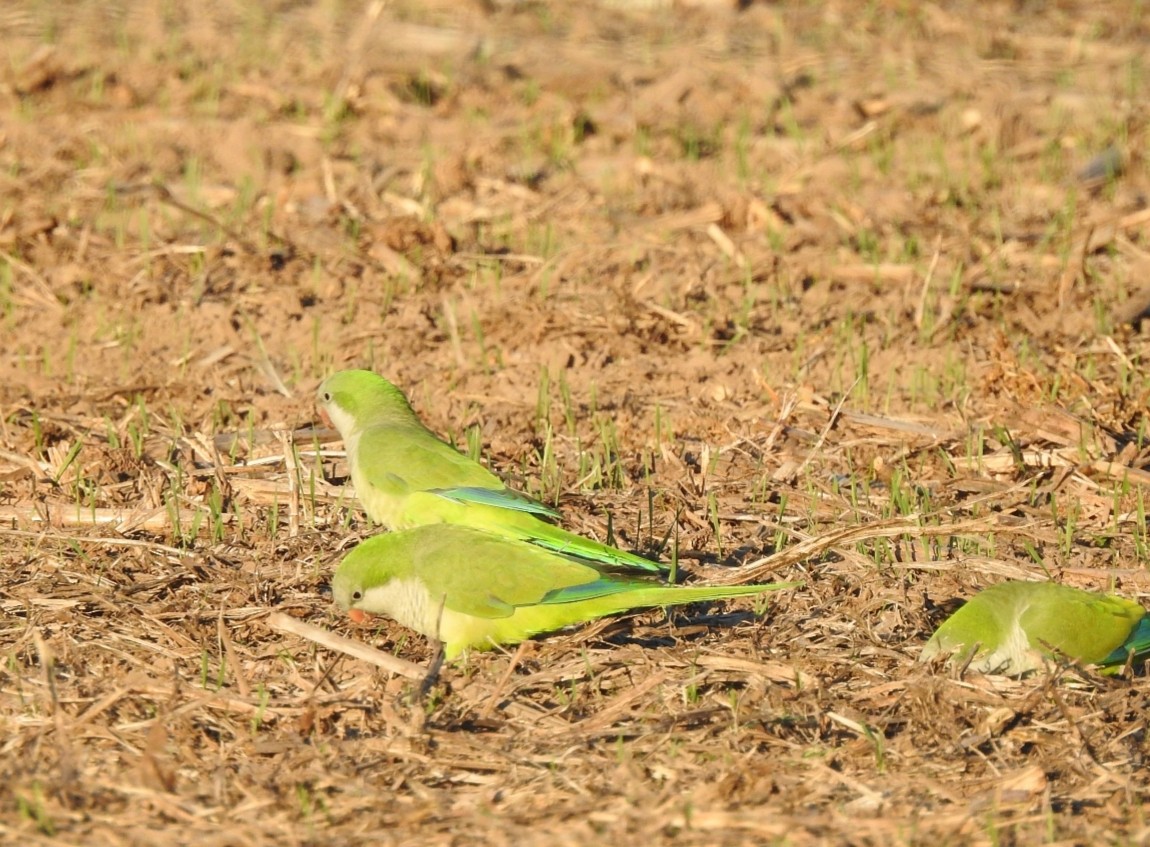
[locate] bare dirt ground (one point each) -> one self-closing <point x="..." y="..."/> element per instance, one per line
<point x="840" y="293"/>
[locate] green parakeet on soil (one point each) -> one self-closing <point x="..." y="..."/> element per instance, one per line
<point x="1013" y="627"/>
<point x="407" y="477"/>
<point x="471" y="589"/>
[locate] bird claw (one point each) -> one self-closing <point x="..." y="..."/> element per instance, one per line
<point x="432" y="676"/>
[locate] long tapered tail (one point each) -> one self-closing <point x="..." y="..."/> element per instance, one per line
<point x="550" y="616"/>
<point x="677" y="595"/>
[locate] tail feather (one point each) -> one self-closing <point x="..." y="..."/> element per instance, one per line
<point x="1137" y="644"/>
<point x="567" y="543"/>
<point x="678" y="595"/>
<point x="550" y="616"/>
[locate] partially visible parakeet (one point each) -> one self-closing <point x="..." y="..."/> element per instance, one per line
<point x="1013" y="627"/>
<point x="407" y="477"/>
<point x="469" y="588"/>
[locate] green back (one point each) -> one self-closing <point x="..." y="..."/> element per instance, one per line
<point x="408" y="458"/>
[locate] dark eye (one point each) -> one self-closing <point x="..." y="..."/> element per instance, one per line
<point x="357" y="595"/>
<point x="325" y="397"/>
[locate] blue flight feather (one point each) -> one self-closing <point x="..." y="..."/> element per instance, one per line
<point x="505" y="499"/>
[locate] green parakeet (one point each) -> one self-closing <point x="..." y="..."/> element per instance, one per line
<point x="407" y="477"/>
<point x="469" y="588"/>
<point x="1011" y="628"/>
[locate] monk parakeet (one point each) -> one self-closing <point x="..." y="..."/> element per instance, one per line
<point x="406" y="477"/>
<point x="468" y="588"/>
<point x="1011" y="628"/>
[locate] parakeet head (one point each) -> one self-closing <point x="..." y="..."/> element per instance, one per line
<point x="347" y="589"/>
<point x="353" y="398"/>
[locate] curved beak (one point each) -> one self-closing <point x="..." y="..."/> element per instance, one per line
<point x="357" y="615"/>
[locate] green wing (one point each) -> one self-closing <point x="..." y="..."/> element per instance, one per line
<point x="1083" y="625"/>
<point x="420" y="459"/>
<point x="505" y="499"/>
<point x="488" y="576"/>
<point x="398" y="460"/>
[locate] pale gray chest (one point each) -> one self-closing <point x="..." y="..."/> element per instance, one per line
<point x="406" y="600"/>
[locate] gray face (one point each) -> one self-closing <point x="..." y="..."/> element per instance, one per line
<point x="342" y="590"/>
<point x="340" y="418"/>
<point x="323" y="394"/>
